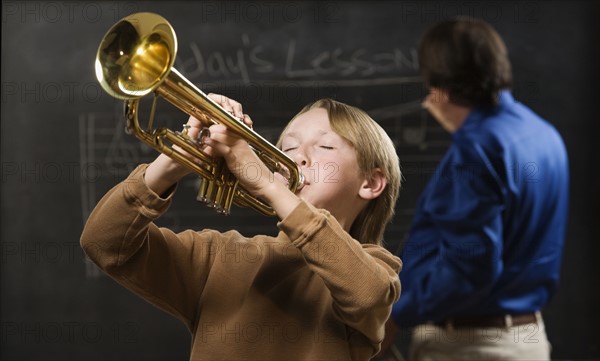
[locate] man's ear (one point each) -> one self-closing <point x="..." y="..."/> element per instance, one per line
<point x="439" y="95"/>
<point x="373" y="186"/>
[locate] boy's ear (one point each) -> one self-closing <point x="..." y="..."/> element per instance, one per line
<point x="373" y="186"/>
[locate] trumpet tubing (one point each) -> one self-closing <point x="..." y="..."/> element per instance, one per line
<point x="135" y="58"/>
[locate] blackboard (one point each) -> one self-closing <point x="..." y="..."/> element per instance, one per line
<point x="63" y="143"/>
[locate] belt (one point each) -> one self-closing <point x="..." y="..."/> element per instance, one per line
<point x="490" y="321"/>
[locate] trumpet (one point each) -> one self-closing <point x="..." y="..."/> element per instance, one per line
<point x="135" y="58"/>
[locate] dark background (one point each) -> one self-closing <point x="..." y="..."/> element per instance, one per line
<point x="63" y="143"/>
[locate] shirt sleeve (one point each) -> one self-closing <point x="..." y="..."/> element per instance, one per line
<point x="362" y="278"/>
<point x="458" y="247"/>
<point x="169" y="270"/>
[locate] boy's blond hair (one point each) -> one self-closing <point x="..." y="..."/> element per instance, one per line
<point x="374" y="149"/>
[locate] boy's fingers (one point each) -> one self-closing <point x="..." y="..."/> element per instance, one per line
<point x="247" y="120"/>
<point x="230" y="105"/>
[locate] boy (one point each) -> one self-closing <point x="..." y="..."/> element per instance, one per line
<point x="322" y="289"/>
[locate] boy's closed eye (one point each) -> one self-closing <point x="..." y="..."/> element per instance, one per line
<point x="328" y="147"/>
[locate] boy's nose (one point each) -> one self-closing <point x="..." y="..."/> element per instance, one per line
<point x="300" y="159"/>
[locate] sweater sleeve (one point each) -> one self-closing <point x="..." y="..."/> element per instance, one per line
<point x="168" y="270"/>
<point x="362" y="278"/>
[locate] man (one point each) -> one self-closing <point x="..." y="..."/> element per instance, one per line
<point x="483" y="254"/>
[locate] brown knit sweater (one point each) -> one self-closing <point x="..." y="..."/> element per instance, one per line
<point x="311" y="293"/>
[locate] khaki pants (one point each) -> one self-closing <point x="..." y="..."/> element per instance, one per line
<point x="524" y="342"/>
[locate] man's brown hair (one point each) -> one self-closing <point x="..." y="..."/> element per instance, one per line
<point x="467" y="58"/>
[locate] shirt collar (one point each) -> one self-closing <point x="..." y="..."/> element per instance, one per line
<point x="505" y="98"/>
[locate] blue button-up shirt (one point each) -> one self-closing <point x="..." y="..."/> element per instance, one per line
<point x="488" y="232"/>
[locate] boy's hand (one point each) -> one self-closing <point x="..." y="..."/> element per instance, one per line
<point x="251" y="172"/>
<point x="198" y="131"/>
<point x="243" y="162"/>
<point x="164" y="171"/>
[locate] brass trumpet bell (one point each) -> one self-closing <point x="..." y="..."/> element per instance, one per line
<point x="135" y="58"/>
